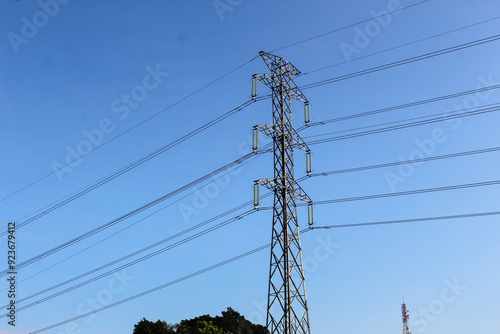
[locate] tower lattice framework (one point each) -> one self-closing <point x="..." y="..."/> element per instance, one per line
<point x="406" y="317"/>
<point x="287" y="310"/>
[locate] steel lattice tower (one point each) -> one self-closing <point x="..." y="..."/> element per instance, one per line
<point x="406" y="316"/>
<point x="287" y="310"/>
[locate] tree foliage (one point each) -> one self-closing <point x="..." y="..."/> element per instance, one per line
<point x="148" y="327"/>
<point x="204" y="327"/>
<point x="231" y="322"/>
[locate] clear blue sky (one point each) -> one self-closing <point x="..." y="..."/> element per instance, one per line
<point x="94" y="69"/>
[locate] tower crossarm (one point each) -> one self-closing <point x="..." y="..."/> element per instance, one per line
<point x="271" y="130"/>
<point x="271" y="80"/>
<point x="275" y="184"/>
<point x="300" y="144"/>
<point x="273" y="62"/>
<point x="269" y="183"/>
<point x="301" y="194"/>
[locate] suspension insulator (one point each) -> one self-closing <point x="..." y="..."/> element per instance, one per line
<point x="255" y="139"/>
<point x="256" y="195"/>
<point x="308" y="163"/>
<point x="310" y="214"/>
<point x="254" y="87"/>
<point x="307" y="113"/>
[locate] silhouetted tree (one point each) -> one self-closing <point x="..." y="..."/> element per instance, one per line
<point x="148" y="327"/>
<point x="231" y="322"/>
<point x="203" y="327"/>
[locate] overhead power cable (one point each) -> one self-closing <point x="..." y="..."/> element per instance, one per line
<point x="481" y="111"/>
<point x="349" y="26"/>
<point x="421" y="118"/>
<point x="209" y="84"/>
<point x="110" y="177"/>
<point x="406" y="125"/>
<point x="401" y="106"/>
<point x="378" y="125"/>
<point x="403" y="62"/>
<point x="81" y="192"/>
<point x="396" y="163"/>
<point x="130" y="214"/>
<point x="402" y="45"/>
<point x="411" y="161"/>
<point x="127" y="227"/>
<point x="412" y="220"/>
<point x="133" y="165"/>
<point x="194" y="93"/>
<point x="133" y="127"/>
<point x="362" y="168"/>
<point x="151" y="246"/>
<point x="396" y="194"/>
<point x="126" y="265"/>
<point x="424" y="119"/>
<point x="210" y="268"/>
<point x="197" y="273"/>
<point x="304" y="87"/>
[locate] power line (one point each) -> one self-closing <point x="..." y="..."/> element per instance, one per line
<point x="348" y="26"/>
<point x="373" y="126"/>
<point x="125" y="169"/>
<point x="127" y="227"/>
<point x="89" y="188"/>
<point x="426" y="117"/>
<point x="456" y="48"/>
<point x="390" y="164"/>
<point x="412" y="220"/>
<point x="320" y="203"/>
<point x="404" y="126"/>
<point x="354" y="169"/>
<point x="401" y="193"/>
<point x="481" y="111"/>
<point x="412" y="161"/>
<point x="192" y="94"/>
<point x="403" y="45"/>
<point x="132" y="128"/>
<point x="401" y="106"/>
<point x="242" y="65"/>
<point x="129" y="264"/>
<point x="110" y="177"/>
<point x="196" y="92"/>
<point x="403" y="62"/>
<point x="129" y="214"/>
<point x="341" y="171"/>
<point x="218" y="265"/>
<point x="396" y="194"/>
<point x="208" y="221"/>
<point x="197" y="273"/>
<point x="134" y="165"/>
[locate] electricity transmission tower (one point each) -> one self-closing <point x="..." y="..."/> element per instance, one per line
<point x="406" y="316"/>
<point x="287" y="310"/>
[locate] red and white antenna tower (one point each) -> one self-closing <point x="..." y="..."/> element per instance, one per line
<point x="406" y="316"/>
